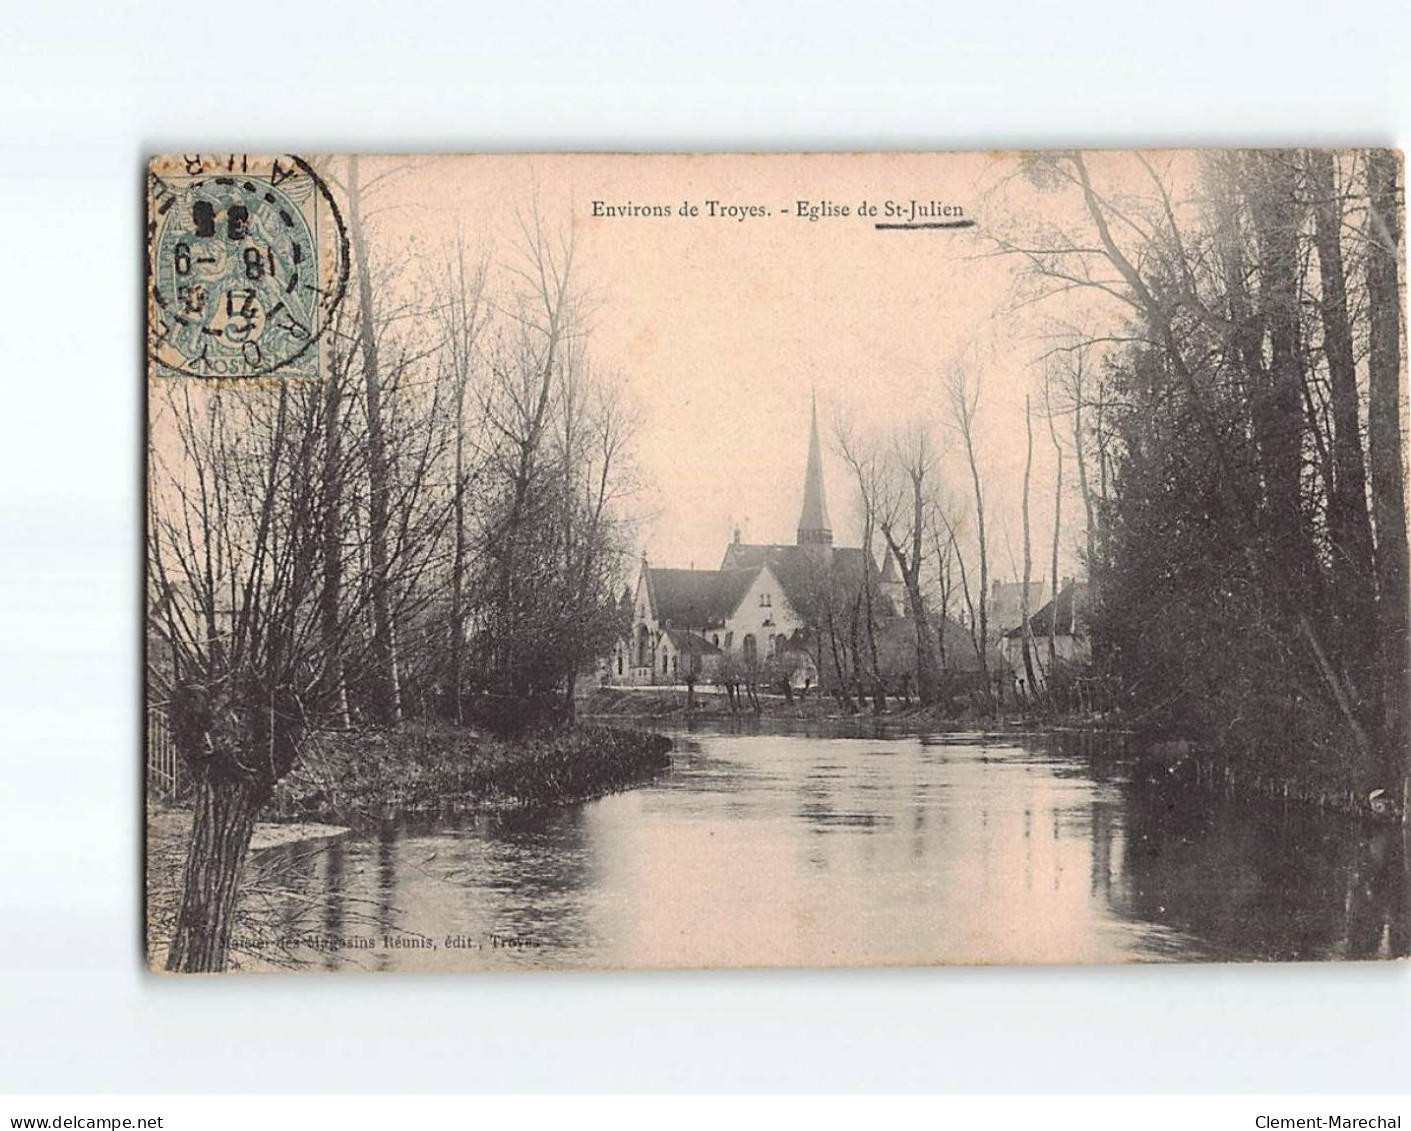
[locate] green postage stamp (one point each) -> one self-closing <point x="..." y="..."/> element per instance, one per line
<point x="246" y="265"/>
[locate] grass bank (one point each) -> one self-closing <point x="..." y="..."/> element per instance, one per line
<point x="430" y="767"/>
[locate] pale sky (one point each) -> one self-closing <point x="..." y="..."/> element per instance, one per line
<point x="722" y="328"/>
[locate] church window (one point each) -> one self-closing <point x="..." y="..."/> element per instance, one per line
<point x="619" y="663"/>
<point x="764" y="601"/>
<point x="750" y="648"/>
<point x="715" y="639"/>
<point x="729" y="639"/>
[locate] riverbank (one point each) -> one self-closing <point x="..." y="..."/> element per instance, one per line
<point x="673" y="705"/>
<point x="430" y="767"/>
<point x="1186" y="766"/>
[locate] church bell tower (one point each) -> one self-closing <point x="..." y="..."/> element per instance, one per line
<point x="814" y="528"/>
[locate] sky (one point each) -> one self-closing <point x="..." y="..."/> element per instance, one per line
<point x="723" y="327"/>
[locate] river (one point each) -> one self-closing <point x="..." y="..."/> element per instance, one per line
<point x="849" y="847"/>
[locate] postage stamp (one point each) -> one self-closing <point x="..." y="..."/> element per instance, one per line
<point x="247" y="262"/>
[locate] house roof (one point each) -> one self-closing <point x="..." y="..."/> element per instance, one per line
<point x="697" y="598"/>
<point x="1072" y="602"/>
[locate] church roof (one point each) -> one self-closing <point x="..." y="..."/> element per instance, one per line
<point x="798" y="567"/>
<point x="697" y="598"/>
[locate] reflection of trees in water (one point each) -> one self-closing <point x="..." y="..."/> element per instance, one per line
<point x="1260" y="880"/>
<point x="1089" y="755"/>
<point x="831" y="796"/>
<point x="1101" y="830"/>
<point x="333" y="907"/>
<point x="294" y="892"/>
<point x="522" y="873"/>
<point x="386" y="888"/>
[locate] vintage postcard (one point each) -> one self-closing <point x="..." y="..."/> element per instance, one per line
<point x="608" y="561"/>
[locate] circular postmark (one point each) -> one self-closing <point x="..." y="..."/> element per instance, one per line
<point x="247" y="263"/>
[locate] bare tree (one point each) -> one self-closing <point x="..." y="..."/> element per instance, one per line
<point x="463" y="313"/>
<point x="1049" y="412"/>
<point x="334" y="475"/>
<point x="1078" y="391"/>
<point x="1025" y="629"/>
<point x="1348" y="521"/>
<point x="862" y="459"/>
<point x="387" y="700"/>
<point x="947" y="554"/>
<point x="963" y="395"/>
<point x="903" y="518"/>
<point x="233" y="541"/>
<point x="518" y="404"/>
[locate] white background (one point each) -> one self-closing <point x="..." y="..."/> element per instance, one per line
<point x="86" y="90"/>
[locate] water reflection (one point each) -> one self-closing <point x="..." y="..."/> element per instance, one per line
<point x="860" y="847"/>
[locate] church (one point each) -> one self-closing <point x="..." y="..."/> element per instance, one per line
<point x="753" y="609"/>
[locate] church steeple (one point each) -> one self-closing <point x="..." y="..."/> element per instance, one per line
<point x="814" y="528"/>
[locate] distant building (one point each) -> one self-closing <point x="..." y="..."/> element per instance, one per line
<point x="1006" y="609"/>
<point x="1071" y="637"/>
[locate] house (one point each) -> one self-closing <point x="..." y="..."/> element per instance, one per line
<point x="1072" y="641"/>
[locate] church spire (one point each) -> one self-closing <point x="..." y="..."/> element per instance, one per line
<point x="814" y="528"/>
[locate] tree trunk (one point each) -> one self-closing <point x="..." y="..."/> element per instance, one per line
<point x="458" y="561"/>
<point x="220" y="840"/>
<point x="387" y="697"/>
<point x="1278" y="411"/>
<point x="331" y="598"/>
<point x="1385" y="454"/>
<point x="1086" y="491"/>
<point x="983" y="609"/>
<point x="879" y="689"/>
<point x="1057" y="524"/>
<point x="1025" y="631"/>
<point x="844" y="697"/>
<point x="926" y="664"/>
<point x="909" y="561"/>
<point x="1349" y="526"/>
